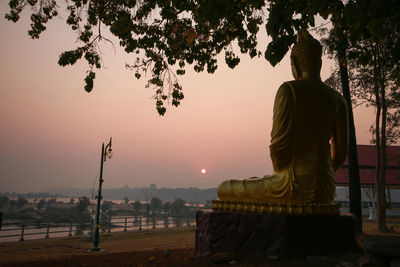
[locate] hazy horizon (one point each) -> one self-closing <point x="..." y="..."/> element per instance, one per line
<point x="52" y="130"/>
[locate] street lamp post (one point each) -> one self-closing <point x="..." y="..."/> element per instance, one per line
<point x="105" y="152"/>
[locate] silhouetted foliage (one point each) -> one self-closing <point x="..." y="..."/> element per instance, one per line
<point x="106" y="206"/>
<point x="167" y="208"/>
<point x="50" y="202"/>
<point x="147" y="212"/>
<point x="178" y="208"/>
<point x="21" y="214"/>
<point x="166" y="36"/>
<point x="155" y="205"/>
<point x="4" y="201"/>
<point x="21" y="201"/>
<point x="137" y="206"/>
<point x="41" y="204"/>
<point x="372" y="75"/>
<point x="105" y="215"/>
<point x="373" y="59"/>
<point x="13" y="203"/>
<point x="83" y="204"/>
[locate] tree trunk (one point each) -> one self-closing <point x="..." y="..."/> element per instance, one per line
<point x="377" y="144"/>
<point x="380" y="188"/>
<point x="354" y="175"/>
<point x="381" y="179"/>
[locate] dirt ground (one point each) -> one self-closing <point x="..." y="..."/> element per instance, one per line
<point x="124" y="248"/>
<point x="163" y="247"/>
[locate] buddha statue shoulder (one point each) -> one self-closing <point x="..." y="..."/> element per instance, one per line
<point x="309" y="137"/>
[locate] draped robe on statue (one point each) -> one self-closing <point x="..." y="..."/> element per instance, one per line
<point x="308" y="143"/>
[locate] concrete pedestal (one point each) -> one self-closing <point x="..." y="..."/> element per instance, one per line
<point x="257" y="236"/>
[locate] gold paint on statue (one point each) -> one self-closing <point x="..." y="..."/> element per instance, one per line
<point x="308" y="143"/>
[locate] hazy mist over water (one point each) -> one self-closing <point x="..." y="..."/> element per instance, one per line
<point x="52" y="130"/>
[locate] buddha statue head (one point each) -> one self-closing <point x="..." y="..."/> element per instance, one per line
<point x="306" y="56"/>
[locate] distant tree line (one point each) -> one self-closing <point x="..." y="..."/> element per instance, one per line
<point x="154" y="207"/>
<point x="47" y="210"/>
<point x="80" y="213"/>
<point x="152" y="211"/>
<point x="192" y="194"/>
<point x="32" y="195"/>
<point x="44" y="207"/>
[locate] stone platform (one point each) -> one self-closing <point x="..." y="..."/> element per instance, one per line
<point x="222" y="234"/>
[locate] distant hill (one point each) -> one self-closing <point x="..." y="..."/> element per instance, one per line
<point x="143" y="193"/>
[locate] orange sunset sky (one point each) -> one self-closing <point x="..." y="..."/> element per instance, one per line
<point x="52" y="130"/>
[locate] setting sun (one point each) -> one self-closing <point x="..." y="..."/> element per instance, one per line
<point x="203" y="171"/>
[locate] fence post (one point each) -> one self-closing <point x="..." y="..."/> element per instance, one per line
<point x="140" y="223"/>
<point x="188" y="221"/>
<point x="154" y="222"/>
<point x="166" y="221"/>
<point x="109" y="225"/>
<point x="70" y="230"/>
<point x="47" y="232"/>
<point x="125" y="225"/>
<point x="22" y="232"/>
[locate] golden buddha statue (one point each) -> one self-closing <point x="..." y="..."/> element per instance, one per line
<point x="309" y="138"/>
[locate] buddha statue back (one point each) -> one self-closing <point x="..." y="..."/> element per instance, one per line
<point x="308" y="139"/>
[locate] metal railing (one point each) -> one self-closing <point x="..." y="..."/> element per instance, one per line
<point x="14" y="231"/>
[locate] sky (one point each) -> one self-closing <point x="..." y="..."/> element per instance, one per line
<point x="52" y="130"/>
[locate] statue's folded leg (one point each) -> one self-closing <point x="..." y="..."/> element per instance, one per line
<point x="227" y="189"/>
<point x="247" y="189"/>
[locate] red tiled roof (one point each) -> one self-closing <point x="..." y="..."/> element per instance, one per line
<point x="367" y="155"/>
<point x="367" y="176"/>
<point x="367" y="161"/>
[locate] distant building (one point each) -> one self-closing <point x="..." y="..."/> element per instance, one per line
<point x="367" y="161"/>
